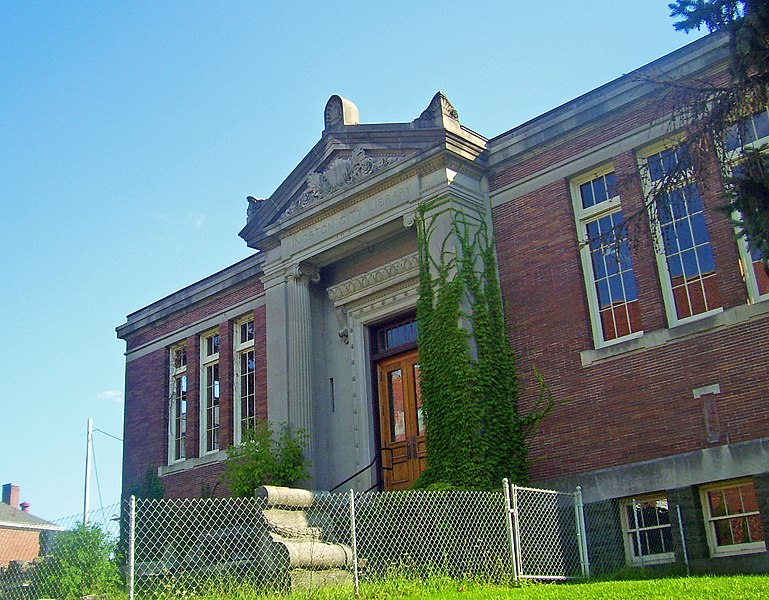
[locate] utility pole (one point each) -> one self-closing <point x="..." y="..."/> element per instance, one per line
<point x="88" y="449"/>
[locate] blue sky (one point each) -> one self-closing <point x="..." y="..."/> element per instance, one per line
<point x="131" y="133"/>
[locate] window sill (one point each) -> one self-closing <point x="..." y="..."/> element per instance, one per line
<point x="617" y="341"/>
<point x="695" y="318"/>
<point x="654" y="559"/>
<point x="652" y="339"/>
<point x="738" y="549"/>
<point x="192" y="463"/>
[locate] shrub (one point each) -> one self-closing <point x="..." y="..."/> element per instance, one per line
<point x="82" y="562"/>
<point x="263" y="458"/>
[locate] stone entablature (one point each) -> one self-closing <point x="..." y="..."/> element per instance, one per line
<point x="387" y="275"/>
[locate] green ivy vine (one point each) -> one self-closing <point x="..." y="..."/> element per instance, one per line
<point x="475" y="436"/>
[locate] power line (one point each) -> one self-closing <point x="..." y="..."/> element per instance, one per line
<point x="114" y="437"/>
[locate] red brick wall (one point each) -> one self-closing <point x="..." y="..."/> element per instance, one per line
<point x="146" y="411"/>
<point x="561" y="149"/>
<point x="249" y="289"/>
<point x="17" y="544"/>
<point x="146" y="416"/>
<point x="260" y="354"/>
<point x="226" y="382"/>
<point x="635" y="406"/>
<point x="197" y="483"/>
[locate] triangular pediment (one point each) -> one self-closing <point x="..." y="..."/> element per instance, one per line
<point x="341" y="173"/>
<point x="345" y="160"/>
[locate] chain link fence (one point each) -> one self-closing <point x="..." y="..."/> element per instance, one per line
<point x="62" y="559"/>
<point x="548" y="532"/>
<point x="285" y="539"/>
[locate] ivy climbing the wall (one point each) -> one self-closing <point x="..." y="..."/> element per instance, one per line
<point x="468" y="382"/>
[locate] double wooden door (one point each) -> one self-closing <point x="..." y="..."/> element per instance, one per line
<point x="401" y="420"/>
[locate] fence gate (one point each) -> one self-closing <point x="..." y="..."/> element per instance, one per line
<point x="547" y="533"/>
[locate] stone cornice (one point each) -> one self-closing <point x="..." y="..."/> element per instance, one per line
<point x="396" y="271"/>
<point x="192" y="295"/>
<point x="695" y="59"/>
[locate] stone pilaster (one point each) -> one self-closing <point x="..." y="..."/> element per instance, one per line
<point x="300" y="380"/>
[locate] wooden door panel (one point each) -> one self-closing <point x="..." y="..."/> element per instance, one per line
<point x="401" y="421"/>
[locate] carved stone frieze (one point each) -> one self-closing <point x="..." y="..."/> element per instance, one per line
<point x="341" y="173"/>
<point x="392" y="272"/>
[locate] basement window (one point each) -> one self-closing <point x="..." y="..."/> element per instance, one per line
<point x="732" y="518"/>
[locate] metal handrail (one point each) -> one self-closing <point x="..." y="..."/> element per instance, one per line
<point x="367" y="467"/>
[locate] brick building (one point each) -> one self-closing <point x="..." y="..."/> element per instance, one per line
<point x="19" y="530"/>
<point x="655" y="351"/>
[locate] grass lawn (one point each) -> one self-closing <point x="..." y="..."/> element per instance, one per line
<point x="700" y="588"/>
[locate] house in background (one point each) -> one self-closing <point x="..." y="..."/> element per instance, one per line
<point x="19" y="530"/>
<point x="656" y="348"/>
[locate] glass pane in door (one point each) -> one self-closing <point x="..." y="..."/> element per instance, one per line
<point x="418" y="402"/>
<point x="397" y="412"/>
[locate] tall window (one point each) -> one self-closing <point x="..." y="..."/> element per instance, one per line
<point x="209" y="414"/>
<point x="732" y="518"/>
<point x="606" y="262"/>
<point x="648" y="535"/>
<point x="245" y="380"/>
<point x="750" y="132"/>
<point x="685" y="257"/>
<point x="756" y="276"/>
<point x="177" y="420"/>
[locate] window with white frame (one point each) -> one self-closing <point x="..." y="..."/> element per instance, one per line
<point x="648" y="534"/>
<point x="177" y="418"/>
<point x="732" y="518"/>
<point x="751" y="132"/>
<point x="209" y="413"/>
<point x="245" y="378"/>
<point x="755" y="274"/>
<point x="684" y="254"/>
<point x="606" y="262"/>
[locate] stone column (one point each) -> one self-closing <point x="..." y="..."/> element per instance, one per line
<point x="300" y="408"/>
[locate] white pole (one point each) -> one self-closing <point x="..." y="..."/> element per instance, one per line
<point x="510" y="534"/>
<point x="354" y="540"/>
<point x="88" y="447"/>
<point x="683" y="538"/>
<point x="579" y="508"/>
<point x="131" y="545"/>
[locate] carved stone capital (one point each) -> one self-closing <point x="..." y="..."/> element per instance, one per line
<point x="300" y="271"/>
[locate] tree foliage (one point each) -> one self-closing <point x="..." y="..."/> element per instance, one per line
<point x="748" y="193"/>
<point x="81" y="562"/>
<point x="714" y="15"/>
<point x="264" y="458"/>
<point x="151" y="487"/>
<point x="474" y="434"/>
<point x="715" y="114"/>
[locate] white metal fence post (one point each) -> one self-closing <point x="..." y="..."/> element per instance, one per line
<point x="517" y="532"/>
<point x="509" y="520"/>
<point x="354" y="543"/>
<point x="683" y="538"/>
<point x="579" y="513"/>
<point x="638" y="533"/>
<point x="131" y="545"/>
